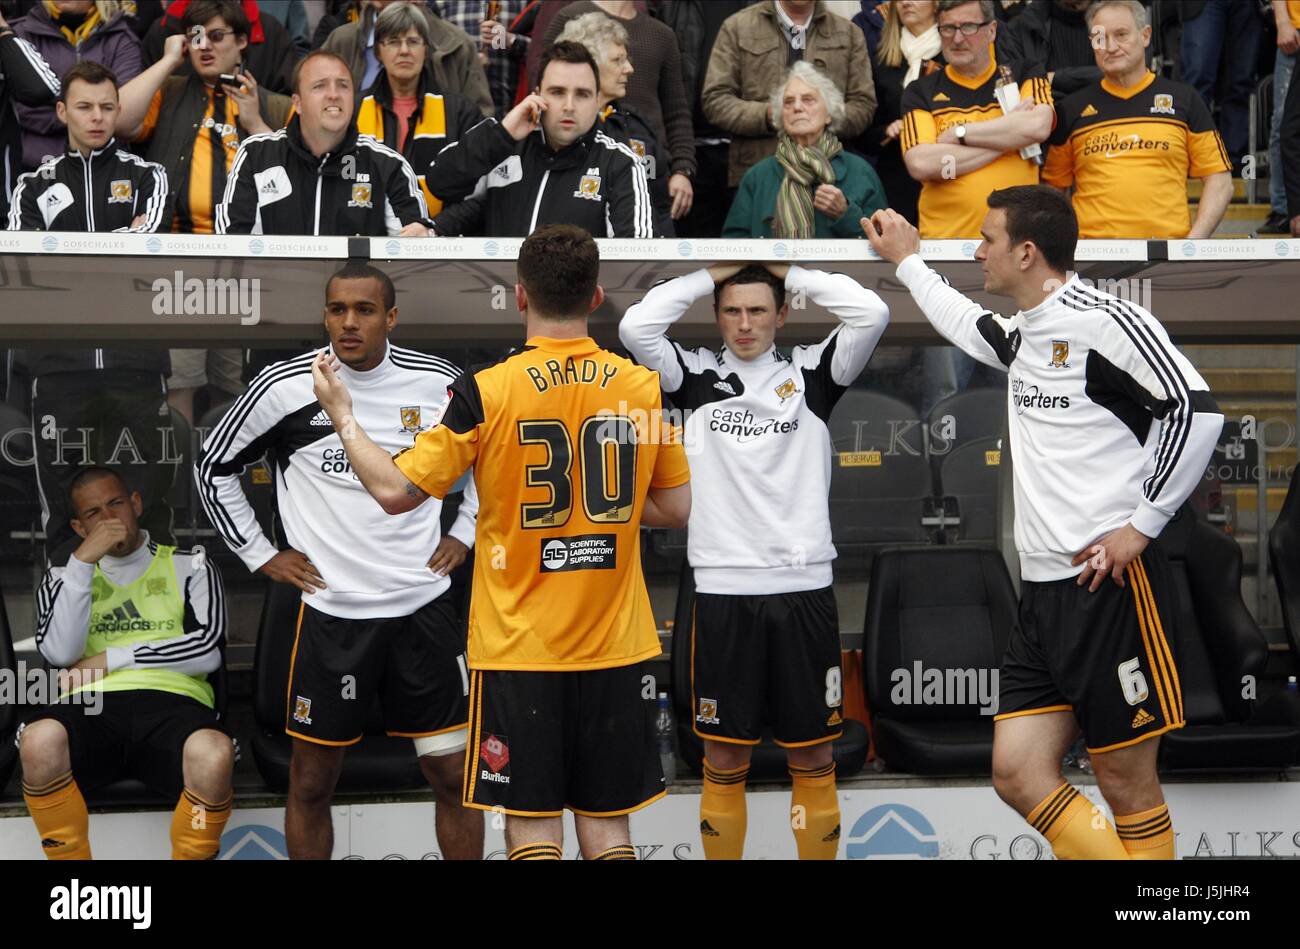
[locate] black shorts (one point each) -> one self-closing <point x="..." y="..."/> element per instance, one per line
<point x="767" y="660"/>
<point x="1106" y="656"/>
<point x="543" y="741"/>
<point x="138" y="733"/>
<point x="414" y="664"/>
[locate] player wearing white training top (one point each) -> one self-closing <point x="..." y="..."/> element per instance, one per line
<point x="377" y="617"/>
<point x="1110" y="430"/>
<point x="765" y="641"/>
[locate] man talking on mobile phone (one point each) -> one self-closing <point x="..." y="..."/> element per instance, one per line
<point x="547" y="162"/>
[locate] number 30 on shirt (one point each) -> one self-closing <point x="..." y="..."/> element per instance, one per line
<point x="607" y="457"/>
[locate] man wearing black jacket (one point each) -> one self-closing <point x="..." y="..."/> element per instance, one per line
<point x="547" y="162"/>
<point x="96" y="185"/>
<point x="27" y="78"/>
<point x="1055" y="34"/>
<point x="318" y="175"/>
<point x="95" y="406"/>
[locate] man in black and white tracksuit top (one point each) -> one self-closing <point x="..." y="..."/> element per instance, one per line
<point x="1111" y="428"/>
<point x="317" y="175"/>
<point x="765" y="643"/>
<point x="549" y="161"/>
<point x="96" y="185"/>
<point x="377" y="617"/>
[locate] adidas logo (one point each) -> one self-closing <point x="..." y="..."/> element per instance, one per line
<point x="832" y="836"/>
<point x="834" y="719"/>
<point x="940" y="97"/>
<point x="724" y="387"/>
<point x="270" y="186"/>
<point x="320" y="418"/>
<point x="1087" y="111"/>
<point x="126" y="611"/>
<point x="707" y="831"/>
<point x="1143" y="717"/>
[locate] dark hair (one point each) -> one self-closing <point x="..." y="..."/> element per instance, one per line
<point x="201" y="11"/>
<point x="753" y="273"/>
<point x="558" y="267"/>
<point x="89" y="475"/>
<point x="986" y="8"/>
<point x="86" y="71"/>
<point x="567" y="52"/>
<point x="314" y="54"/>
<point x="360" y="270"/>
<point x="1041" y="215"/>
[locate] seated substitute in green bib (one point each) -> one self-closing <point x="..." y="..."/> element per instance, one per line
<point x="142" y="624"/>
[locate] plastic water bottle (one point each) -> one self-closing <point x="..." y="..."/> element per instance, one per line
<point x="664" y="739"/>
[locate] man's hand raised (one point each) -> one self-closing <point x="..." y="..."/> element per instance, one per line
<point x="102" y="538"/>
<point x="891" y="236"/>
<point x="720" y="272"/>
<point x="524" y="118"/>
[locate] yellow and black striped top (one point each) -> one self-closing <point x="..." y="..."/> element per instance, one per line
<point x="955" y="207"/>
<point x="1129" y="152"/>
<point x="202" y="184"/>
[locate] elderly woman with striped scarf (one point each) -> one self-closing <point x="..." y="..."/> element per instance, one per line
<point x="811" y="187"/>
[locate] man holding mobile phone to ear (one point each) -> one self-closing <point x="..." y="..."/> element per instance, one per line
<point x="194" y="124"/>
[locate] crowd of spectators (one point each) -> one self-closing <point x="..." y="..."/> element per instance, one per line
<point x="767" y="118"/>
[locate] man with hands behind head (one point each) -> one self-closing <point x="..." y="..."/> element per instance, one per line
<point x="1111" y="428"/>
<point x="766" y="640"/>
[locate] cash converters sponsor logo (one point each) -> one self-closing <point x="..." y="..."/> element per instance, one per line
<point x="746" y="427"/>
<point x="581" y="552"/>
<point x="214" y="296"/>
<point x="893" y="831"/>
<point x="1115" y="145"/>
<point x="1026" y="397"/>
<point x="75" y="901"/>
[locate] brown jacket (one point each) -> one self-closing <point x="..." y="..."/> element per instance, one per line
<point x="749" y="59"/>
<point x="452" y="56"/>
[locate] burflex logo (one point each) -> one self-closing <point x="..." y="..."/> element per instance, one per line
<point x="892" y="831"/>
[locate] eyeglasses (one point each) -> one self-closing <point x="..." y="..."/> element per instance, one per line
<point x="949" y="30"/>
<point x="217" y="35"/>
<point x="402" y="42"/>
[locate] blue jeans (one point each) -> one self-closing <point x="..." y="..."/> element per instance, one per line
<point x="1283" y="67"/>
<point x="1227" y="29"/>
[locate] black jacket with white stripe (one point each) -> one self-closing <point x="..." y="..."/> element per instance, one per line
<point x="63" y="606"/>
<point x="277" y="186"/>
<point x="373" y="564"/>
<point x="1110" y="424"/>
<point x="596" y="183"/>
<point x="25" y="77"/>
<point x="104" y="191"/>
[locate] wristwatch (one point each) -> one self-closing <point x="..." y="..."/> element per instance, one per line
<point x="960" y="132"/>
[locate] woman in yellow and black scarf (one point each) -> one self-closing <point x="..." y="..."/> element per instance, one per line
<point x="66" y="32"/>
<point x="403" y="108"/>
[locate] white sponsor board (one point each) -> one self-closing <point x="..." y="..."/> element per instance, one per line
<point x="1248" y="819"/>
